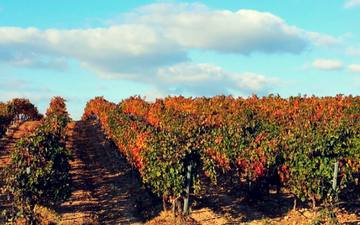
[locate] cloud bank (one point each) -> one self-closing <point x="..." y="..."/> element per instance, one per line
<point x="243" y="32"/>
<point x="207" y="79"/>
<point x="152" y="47"/>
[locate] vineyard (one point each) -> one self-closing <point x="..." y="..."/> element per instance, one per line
<point x="306" y="147"/>
<point x="293" y="143"/>
<point x="38" y="174"/>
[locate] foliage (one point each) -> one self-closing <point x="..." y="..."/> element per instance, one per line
<point x="14" y="108"/>
<point x="39" y="171"/>
<point x="292" y="141"/>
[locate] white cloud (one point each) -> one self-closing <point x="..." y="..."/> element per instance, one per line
<point x="324" y="64"/>
<point x="244" y="31"/>
<point x="16" y="84"/>
<point x="132" y="40"/>
<point x="209" y="79"/>
<point x="323" y="39"/>
<point x="32" y="60"/>
<point x="153" y="94"/>
<point x="353" y="51"/>
<point x="118" y="49"/>
<point x="34" y="98"/>
<point x="354" y="68"/>
<point x="156" y="37"/>
<point x="326" y="40"/>
<point x="7" y="96"/>
<point x="189" y="73"/>
<point x="352" y="3"/>
<point x="153" y="45"/>
<point x="251" y="82"/>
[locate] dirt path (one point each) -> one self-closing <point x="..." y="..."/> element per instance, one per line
<point x="102" y="184"/>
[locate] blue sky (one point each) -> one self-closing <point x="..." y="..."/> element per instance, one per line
<point x="117" y="49"/>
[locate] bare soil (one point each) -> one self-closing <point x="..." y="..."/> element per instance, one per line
<point x="107" y="191"/>
<point x="103" y="185"/>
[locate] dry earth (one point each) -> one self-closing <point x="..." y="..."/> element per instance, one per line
<point x="107" y="191"/>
